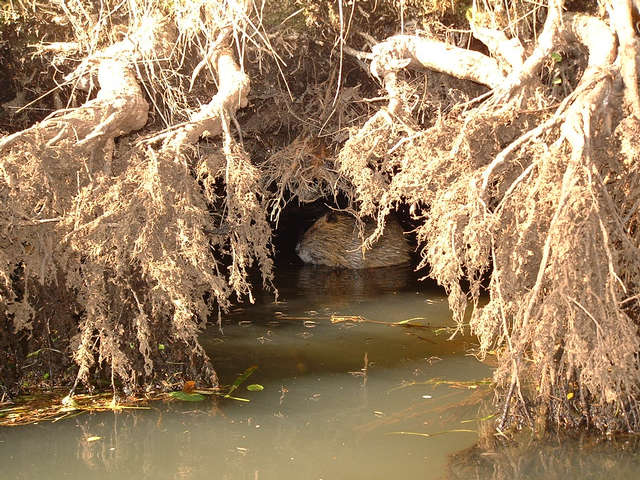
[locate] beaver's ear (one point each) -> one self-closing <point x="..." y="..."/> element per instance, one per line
<point x="332" y="217"/>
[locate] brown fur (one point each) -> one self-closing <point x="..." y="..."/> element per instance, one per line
<point x="334" y="241"/>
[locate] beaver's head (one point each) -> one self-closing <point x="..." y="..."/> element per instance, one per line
<point x="329" y="240"/>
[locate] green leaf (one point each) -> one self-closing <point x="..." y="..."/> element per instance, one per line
<point x="556" y="57"/>
<point x="46" y="376"/>
<point x="187" y="397"/>
<point x="557" y="81"/>
<point x="240" y="380"/>
<point x="161" y="346"/>
<point x="469" y="14"/>
<point x="255" y="387"/>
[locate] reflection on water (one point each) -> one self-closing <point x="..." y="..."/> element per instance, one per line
<point x="582" y="457"/>
<point x="319" y="416"/>
<point x="328" y="286"/>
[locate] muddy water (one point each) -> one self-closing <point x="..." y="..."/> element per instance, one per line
<point x="321" y="415"/>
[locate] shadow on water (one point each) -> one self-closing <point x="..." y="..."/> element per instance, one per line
<point x="319" y="416"/>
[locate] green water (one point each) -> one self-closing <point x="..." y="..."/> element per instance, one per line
<point x="321" y="415"/>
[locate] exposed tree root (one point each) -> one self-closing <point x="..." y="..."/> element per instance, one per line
<point x="536" y="213"/>
<point x="128" y="236"/>
<point x="621" y="19"/>
<point x="518" y="168"/>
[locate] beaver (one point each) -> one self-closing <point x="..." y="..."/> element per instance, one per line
<point x="333" y="240"/>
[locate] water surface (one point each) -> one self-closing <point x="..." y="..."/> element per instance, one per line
<point x="322" y="413"/>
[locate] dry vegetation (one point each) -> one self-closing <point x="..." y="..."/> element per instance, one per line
<point x="142" y="204"/>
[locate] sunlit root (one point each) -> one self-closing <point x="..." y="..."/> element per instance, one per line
<point x="515" y="171"/>
<point x="403" y="51"/>
<point x="620" y="13"/>
<point x="138" y="241"/>
<point x="232" y="94"/>
<point x="508" y="51"/>
<point x="118" y="109"/>
<point x="525" y="74"/>
<point x="535" y="213"/>
<point x="589" y="98"/>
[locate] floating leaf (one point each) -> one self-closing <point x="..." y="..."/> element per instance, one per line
<point x="187" y="397"/>
<point x="481" y="419"/>
<point x="93" y="439"/>
<point x="429" y="435"/>
<point x="161" y="346"/>
<point x="255" y="387"/>
<point x="237" y="398"/>
<point x="408" y="321"/>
